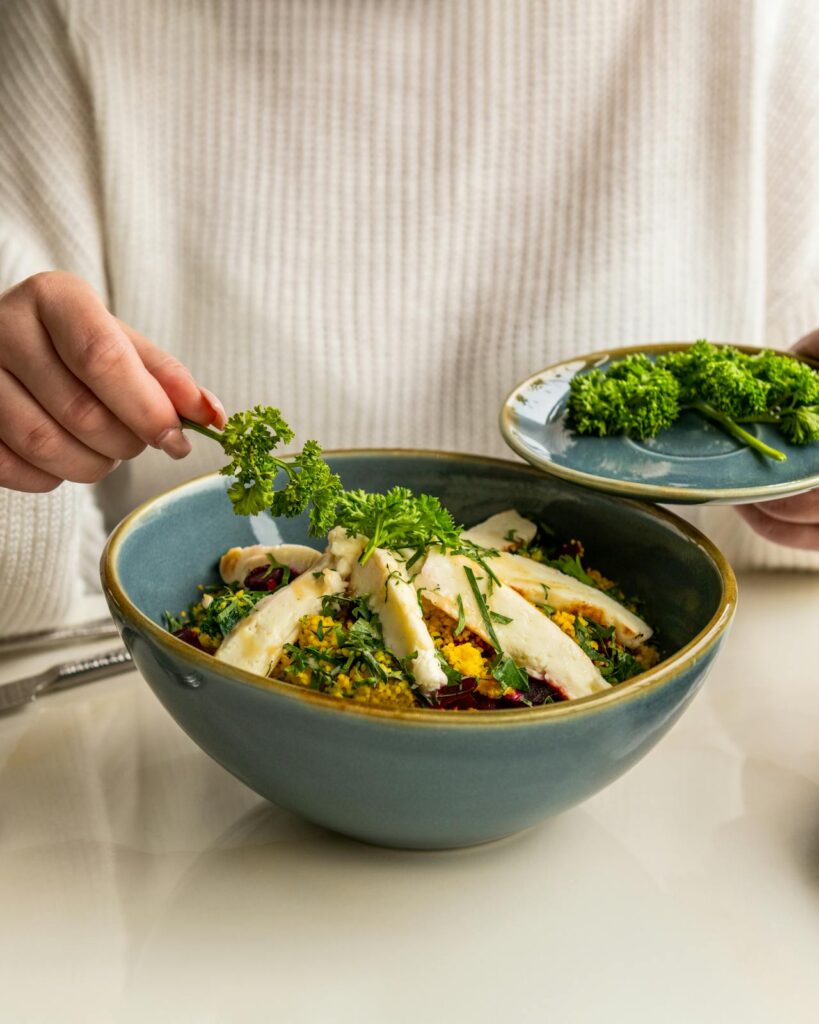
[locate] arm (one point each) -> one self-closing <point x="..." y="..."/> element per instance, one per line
<point x="78" y="389"/>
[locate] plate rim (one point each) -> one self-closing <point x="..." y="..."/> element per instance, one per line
<point x="672" y="494"/>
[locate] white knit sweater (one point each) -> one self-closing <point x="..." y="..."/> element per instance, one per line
<point x="381" y="214"/>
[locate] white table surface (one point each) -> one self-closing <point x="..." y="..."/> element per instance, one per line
<point x="141" y="882"/>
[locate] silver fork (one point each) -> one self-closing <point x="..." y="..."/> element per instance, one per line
<point x="60" y="677"/>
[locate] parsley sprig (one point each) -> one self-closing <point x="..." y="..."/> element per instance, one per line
<point x="249" y="439"/>
<point x="640" y="396"/>
<point x="396" y="520"/>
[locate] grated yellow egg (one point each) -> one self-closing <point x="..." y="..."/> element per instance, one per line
<point x="466" y="659"/>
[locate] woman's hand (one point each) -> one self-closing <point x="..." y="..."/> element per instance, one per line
<point x="80" y="391"/>
<point x="792" y="522"/>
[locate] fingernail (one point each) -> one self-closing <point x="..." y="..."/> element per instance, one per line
<point x="174" y="443"/>
<point x="218" y="415"/>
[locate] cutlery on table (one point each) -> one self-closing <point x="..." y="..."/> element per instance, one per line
<point x="60" y="677"/>
<point x="98" y="629"/>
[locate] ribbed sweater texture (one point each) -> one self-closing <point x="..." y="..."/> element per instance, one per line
<point x="381" y="214"/>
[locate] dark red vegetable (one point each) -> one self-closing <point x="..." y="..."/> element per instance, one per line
<point x="265" y="578"/>
<point x="189" y="636"/>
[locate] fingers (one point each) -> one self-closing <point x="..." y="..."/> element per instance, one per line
<point x="79" y="390"/>
<point x="17" y="475"/>
<point x="789" y="534"/>
<point x="41" y="442"/>
<point x="800" y="509"/>
<point x="809" y="345"/>
<point x="96" y="350"/>
<point x="792" y="522"/>
<point x="63" y="397"/>
<point x="189" y="399"/>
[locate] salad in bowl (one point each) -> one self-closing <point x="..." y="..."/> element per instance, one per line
<point x="503" y="617"/>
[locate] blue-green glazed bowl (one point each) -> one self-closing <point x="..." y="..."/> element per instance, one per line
<point x="420" y="779"/>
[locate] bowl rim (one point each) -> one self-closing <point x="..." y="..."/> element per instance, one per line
<point x="651" y="679"/>
<point x="629" y="488"/>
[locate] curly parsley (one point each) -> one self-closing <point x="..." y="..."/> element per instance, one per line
<point x="640" y="396"/>
<point x="249" y="439"/>
<point x="398" y="519"/>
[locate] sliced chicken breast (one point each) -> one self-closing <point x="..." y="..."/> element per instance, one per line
<point x="255" y="643"/>
<point x="531" y="639"/>
<point x="346" y="550"/>
<point x="543" y="584"/>
<point x="384" y="583"/>
<point x="503" y="531"/>
<point x="235" y="564"/>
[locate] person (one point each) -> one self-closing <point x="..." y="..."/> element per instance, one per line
<point x="379" y="217"/>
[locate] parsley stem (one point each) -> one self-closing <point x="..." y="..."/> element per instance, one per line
<point x="214" y="435"/>
<point x="768" y="418"/>
<point x="733" y="428"/>
<point x="206" y="431"/>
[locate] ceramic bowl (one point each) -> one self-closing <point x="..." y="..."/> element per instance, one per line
<point x="420" y="778"/>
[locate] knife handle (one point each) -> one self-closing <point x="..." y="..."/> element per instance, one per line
<point x="73" y="673"/>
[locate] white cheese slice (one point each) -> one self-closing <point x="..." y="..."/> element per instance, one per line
<point x="531" y="639"/>
<point x="235" y="564"/>
<point x="503" y="531"/>
<point x="255" y="643"/>
<point x="529" y="578"/>
<point x="383" y="582"/>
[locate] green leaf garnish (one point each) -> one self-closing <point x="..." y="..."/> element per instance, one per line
<point x="509" y="674"/>
<point x="572" y="566"/>
<point x="397" y="519"/>
<point x="461" y="624"/>
<point x="503" y="668"/>
<point x="249" y="439"/>
<point x="229" y="604"/>
<point x="640" y="396"/>
<point x="482" y="608"/>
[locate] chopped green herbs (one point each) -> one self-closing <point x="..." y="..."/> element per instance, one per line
<point x="509" y="674"/>
<point x="358" y="647"/>
<point x="275" y="564"/>
<point x="571" y="565"/>
<point x="504" y="669"/>
<point x="483" y="609"/>
<point x="502" y="620"/>
<point x="461" y="624"/>
<point x="615" y="663"/>
<point x="480" y="555"/>
<point x="173" y="623"/>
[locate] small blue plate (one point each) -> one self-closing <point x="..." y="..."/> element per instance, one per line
<point x="692" y="463"/>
